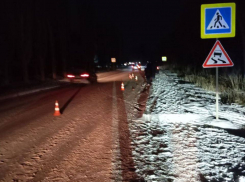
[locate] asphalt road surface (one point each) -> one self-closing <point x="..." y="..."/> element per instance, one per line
<point x="89" y="141"/>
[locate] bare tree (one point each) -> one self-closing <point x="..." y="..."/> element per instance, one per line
<point x="25" y="42"/>
<point x="40" y="37"/>
<point x="52" y="51"/>
<point x="63" y="51"/>
<point x="241" y="20"/>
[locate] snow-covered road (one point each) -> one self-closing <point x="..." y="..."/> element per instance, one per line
<point x="89" y="141"/>
<point x="178" y="138"/>
<point x="109" y="135"/>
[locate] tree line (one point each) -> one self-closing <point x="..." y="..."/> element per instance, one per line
<point x="41" y="40"/>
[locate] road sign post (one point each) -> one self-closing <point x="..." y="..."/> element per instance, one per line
<point x="217" y="57"/>
<point x="217" y="92"/>
<point x="218" y="21"/>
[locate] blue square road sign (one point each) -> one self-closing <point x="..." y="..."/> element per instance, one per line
<point x="218" y="20"/>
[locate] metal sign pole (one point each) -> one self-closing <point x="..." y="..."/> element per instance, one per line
<point x="211" y="31"/>
<point x="217" y="93"/>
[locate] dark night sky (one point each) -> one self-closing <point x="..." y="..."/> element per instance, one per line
<point x="130" y="30"/>
<point x="143" y="23"/>
<point x="156" y="27"/>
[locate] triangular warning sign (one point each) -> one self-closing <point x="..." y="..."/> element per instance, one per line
<point x="217" y="57"/>
<point x="217" y="22"/>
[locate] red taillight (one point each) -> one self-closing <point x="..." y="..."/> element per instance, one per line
<point x="70" y="76"/>
<point x="85" y="75"/>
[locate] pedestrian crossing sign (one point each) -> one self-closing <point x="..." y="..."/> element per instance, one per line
<point x="218" y="20"/>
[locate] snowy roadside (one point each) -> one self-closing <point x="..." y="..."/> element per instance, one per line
<point x="170" y="95"/>
<point x="179" y="139"/>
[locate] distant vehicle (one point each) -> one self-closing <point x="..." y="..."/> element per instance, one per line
<point x="157" y="69"/>
<point x="81" y="76"/>
<point x="136" y="67"/>
<point x="139" y="67"/>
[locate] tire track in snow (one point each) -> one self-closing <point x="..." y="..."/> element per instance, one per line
<point x="116" y="162"/>
<point x="185" y="153"/>
<point x="88" y="159"/>
<point x="39" y="160"/>
<point x="26" y="143"/>
<point x="45" y="156"/>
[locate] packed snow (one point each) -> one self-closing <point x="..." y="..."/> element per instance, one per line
<point x="178" y="138"/>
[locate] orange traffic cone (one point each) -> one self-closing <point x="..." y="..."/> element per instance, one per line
<point x="56" y="109"/>
<point x="122" y="86"/>
<point x="130" y="76"/>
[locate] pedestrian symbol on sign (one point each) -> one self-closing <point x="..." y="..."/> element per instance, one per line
<point x="219" y="17"/>
<point x="217" y="22"/>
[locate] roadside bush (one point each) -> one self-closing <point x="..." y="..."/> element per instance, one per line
<point x="231" y="87"/>
<point x="228" y="96"/>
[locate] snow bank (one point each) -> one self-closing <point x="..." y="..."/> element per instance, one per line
<point x="179" y="139"/>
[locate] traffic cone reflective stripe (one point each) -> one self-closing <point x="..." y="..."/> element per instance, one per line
<point x="56" y="109"/>
<point x="136" y="78"/>
<point x="122" y="86"/>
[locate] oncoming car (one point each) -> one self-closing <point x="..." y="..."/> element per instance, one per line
<point x="136" y="67"/>
<point x="133" y="66"/>
<point x="81" y="76"/>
